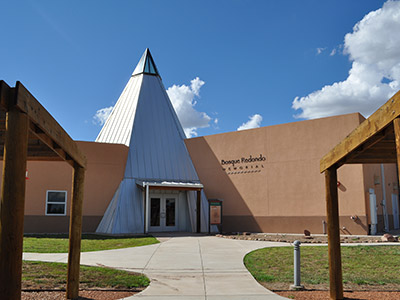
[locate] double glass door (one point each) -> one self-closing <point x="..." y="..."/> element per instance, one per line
<point x="163" y="213"/>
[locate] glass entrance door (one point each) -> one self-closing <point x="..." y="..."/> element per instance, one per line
<point x="163" y="213"/>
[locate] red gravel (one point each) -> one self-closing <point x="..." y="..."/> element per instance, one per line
<point x="83" y="295"/>
<point x="360" y="295"/>
<point x="299" y="295"/>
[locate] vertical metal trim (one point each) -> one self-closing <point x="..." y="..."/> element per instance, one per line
<point x="147" y="209"/>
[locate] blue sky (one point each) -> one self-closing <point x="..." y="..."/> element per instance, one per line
<point x="250" y="57"/>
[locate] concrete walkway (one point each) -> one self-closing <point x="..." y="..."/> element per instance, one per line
<point x="187" y="267"/>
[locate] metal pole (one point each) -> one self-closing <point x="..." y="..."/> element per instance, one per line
<point x="323" y="226"/>
<point x="147" y="210"/>
<point x="296" y="265"/>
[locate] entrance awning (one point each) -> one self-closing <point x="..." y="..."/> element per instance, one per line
<point x="170" y="185"/>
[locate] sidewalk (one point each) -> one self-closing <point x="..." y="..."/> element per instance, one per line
<point x="191" y="267"/>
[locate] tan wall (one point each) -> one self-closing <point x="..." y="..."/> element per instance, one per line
<point x="105" y="170"/>
<point x="284" y="193"/>
<point x="287" y="192"/>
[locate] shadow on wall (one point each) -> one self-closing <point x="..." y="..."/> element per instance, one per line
<point x="218" y="185"/>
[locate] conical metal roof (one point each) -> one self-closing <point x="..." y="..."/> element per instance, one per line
<point x="145" y="120"/>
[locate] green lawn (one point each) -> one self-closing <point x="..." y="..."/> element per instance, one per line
<point x="90" y="242"/>
<point x="43" y="275"/>
<point x="362" y="265"/>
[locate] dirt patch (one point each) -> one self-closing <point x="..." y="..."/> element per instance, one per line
<point x="83" y="295"/>
<point x="290" y="238"/>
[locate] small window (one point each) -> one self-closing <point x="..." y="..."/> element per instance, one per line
<point x="56" y="203"/>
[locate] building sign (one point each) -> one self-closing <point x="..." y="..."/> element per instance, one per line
<point x="244" y="165"/>
<point x="215" y="213"/>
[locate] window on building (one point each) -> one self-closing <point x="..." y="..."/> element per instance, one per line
<point x="56" y="203"/>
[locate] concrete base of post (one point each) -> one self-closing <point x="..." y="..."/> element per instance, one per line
<point x="296" y="287"/>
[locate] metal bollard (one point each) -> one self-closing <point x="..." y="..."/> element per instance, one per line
<point x="296" y="265"/>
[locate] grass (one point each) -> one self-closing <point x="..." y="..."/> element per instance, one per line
<point x="43" y="275"/>
<point x="362" y="265"/>
<point x="58" y="243"/>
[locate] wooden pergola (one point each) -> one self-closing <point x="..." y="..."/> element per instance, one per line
<point x="29" y="132"/>
<point x="376" y="140"/>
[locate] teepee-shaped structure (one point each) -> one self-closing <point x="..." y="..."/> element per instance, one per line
<point x="160" y="190"/>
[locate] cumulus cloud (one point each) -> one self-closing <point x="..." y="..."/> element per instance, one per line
<point x="374" y="49"/>
<point x="254" y="122"/>
<point x="333" y="52"/>
<point x="183" y="99"/>
<point x="101" y="115"/>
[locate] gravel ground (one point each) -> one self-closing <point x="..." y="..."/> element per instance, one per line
<point x="299" y="295"/>
<point x="314" y="295"/>
<point x="83" y="295"/>
<point x="290" y="238"/>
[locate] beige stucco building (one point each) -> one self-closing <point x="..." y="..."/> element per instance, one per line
<point x="268" y="179"/>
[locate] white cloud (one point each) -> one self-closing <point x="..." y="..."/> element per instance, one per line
<point x="374" y="49"/>
<point x="320" y="50"/>
<point x="101" y="115"/>
<point x="333" y="52"/>
<point x="254" y="122"/>
<point x="183" y="100"/>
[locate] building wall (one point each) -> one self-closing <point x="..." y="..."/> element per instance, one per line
<point x="268" y="178"/>
<point x="373" y="179"/>
<point x="285" y="192"/>
<point x="105" y="170"/>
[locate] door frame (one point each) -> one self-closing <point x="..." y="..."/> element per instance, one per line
<point x="163" y="227"/>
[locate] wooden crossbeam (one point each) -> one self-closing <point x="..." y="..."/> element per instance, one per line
<point x="5" y="91"/>
<point x="49" y="143"/>
<point x="380" y="119"/>
<point x="52" y="133"/>
<point x="389" y="160"/>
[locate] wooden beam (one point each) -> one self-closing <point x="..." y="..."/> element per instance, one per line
<point x="332" y="212"/>
<point x="387" y="160"/>
<point x="380" y="119"/>
<point x="48" y="141"/>
<point x="41" y="117"/>
<point x="383" y="154"/>
<point x="370" y="146"/>
<point x="396" y="125"/>
<point x="4" y="95"/>
<point x="75" y="233"/>
<point x="43" y="158"/>
<point x="198" y="212"/>
<point x="13" y="204"/>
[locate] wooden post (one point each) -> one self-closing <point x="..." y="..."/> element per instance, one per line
<point x="198" y="212"/>
<point x="396" y="125"/>
<point x="332" y="210"/>
<point x="13" y="204"/>
<point x="75" y="233"/>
